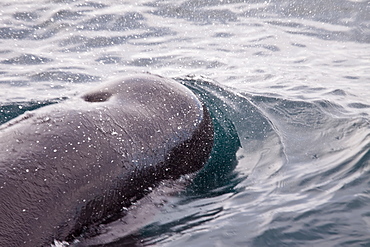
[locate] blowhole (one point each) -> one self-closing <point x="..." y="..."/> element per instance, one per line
<point x="97" y="97"/>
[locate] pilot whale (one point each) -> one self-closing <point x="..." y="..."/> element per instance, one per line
<point x="68" y="166"/>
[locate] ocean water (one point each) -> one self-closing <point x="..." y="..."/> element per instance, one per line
<point x="287" y="84"/>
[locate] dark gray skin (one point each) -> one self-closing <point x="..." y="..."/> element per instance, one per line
<point x="76" y="164"/>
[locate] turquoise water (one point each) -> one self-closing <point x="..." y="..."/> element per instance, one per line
<point x="287" y="84"/>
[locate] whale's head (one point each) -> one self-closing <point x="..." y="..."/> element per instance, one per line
<point x="84" y="159"/>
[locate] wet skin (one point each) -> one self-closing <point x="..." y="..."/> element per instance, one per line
<point x="68" y="166"/>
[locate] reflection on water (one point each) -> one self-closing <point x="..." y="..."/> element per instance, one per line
<point x="291" y="162"/>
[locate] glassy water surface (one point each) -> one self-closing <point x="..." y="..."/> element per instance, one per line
<point x="287" y="84"/>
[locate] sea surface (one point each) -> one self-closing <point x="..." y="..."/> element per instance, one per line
<point x="287" y="84"/>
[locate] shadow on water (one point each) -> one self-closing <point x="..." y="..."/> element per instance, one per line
<point x="241" y="132"/>
<point x="9" y="111"/>
<point x="218" y="172"/>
